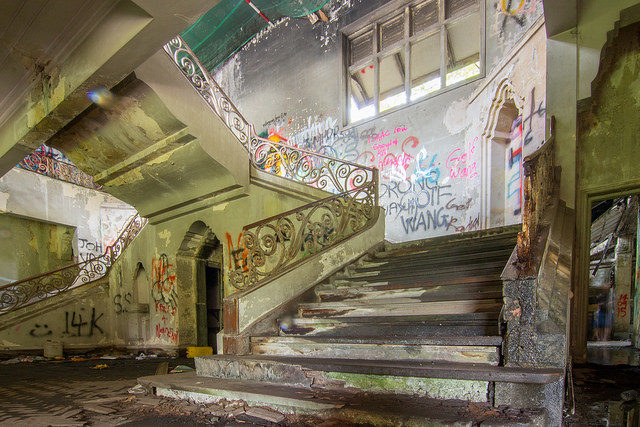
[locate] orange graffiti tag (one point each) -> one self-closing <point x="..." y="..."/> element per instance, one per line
<point x="161" y="279"/>
<point x="237" y="257"/>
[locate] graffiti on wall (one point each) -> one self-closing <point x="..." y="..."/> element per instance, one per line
<point x="165" y="298"/>
<point x="75" y="327"/>
<point x="75" y="323"/>
<point x="89" y="249"/>
<point x="163" y="282"/>
<point x="121" y="300"/>
<point x="237" y="254"/>
<point x="515" y="11"/>
<point x="416" y="177"/>
<point x="622" y="306"/>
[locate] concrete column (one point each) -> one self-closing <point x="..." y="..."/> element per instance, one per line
<point x="624" y="274"/>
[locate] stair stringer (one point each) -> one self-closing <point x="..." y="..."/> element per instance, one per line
<point x="254" y="310"/>
<point x="57" y="318"/>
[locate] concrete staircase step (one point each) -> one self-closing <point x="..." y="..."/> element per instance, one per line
<point x="488" y="340"/>
<point x="417" y="272"/>
<point x="427" y="401"/>
<point x="336" y="328"/>
<point x="389" y="350"/>
<point x="436" y="260"/>
<point x="445" y="244"/>
<point x="400" y="283"/>
<point x="414" y="294"/>
<point x="347" y="309"/>
<point x="419" y="320"/>
<point x="295" y="370"/>
<point x="206" y="389"/>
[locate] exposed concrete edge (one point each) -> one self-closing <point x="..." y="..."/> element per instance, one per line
<point x="286" y="186"/>
<point x="57" y="301"/>
<point x="205" y="389"/>
<point x="255" y="305"/>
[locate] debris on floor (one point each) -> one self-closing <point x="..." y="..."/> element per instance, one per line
<point x="142" y="356"/>
<point x="181" y="368"/>
<point x="138" y="389"/>
<point x="100" y="366"/>
<point x="199" y="351"/>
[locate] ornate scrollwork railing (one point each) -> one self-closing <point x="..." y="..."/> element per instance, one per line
<point x="27" y="291"/>
<point x="317" y="170"/>
<point x="208" y="89"/>
<point x="275" y="245"/>
<point x="39" y="163"/>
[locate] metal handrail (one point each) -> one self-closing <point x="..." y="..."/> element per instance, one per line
<point x="32" y="289"/>
<point x="349" y="210"/>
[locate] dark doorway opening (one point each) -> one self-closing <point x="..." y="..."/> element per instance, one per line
<point x="213" y="284"/>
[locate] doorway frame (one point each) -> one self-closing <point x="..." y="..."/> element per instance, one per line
<point x="580" y="281"/>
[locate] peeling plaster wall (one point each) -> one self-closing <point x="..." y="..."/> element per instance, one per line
<point x="287" y="80"/>
<point x="96" y="216"/>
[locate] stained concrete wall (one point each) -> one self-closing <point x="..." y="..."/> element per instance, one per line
<point x="432" y="154"/>
<point x="30" y="247"/>
<point x="606" y="164"/>
<point x="96" y="217"/>
<point x="78" y="319"/>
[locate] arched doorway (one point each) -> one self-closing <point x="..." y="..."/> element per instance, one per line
<point x="502" y="175"/>
<point x="199" y="280"/>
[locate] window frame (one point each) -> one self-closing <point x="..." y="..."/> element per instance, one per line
<point x="372" y="22"/>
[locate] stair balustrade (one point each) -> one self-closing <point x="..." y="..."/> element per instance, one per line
<point x="32" y="289"/>
<point x="277" y="244"/>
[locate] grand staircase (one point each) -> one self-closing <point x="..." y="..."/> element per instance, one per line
<point x="410" y="321"/>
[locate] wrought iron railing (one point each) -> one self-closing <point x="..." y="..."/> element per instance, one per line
<point x="275" y="245"/>
<point x="27" y="291"/>
<point x="44" y="165"/>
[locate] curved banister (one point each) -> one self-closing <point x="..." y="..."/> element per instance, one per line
<point x="276" y="244"/>
<point x="318" y="170"/>
<point x="27" y="291"/>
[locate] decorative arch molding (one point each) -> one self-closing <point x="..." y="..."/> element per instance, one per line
<point x="505" y="107"/>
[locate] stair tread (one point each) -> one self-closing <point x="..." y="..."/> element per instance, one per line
<point x="341" y="284"/>
<point x="398" y="301"/>
<point x="423" y="293"/>
<point x="414" y="320"/>
<point x="468" y="268"/>
<point x="457" y="340"/>
<point x="444" y="259"/>
<point x="410" y="368"/>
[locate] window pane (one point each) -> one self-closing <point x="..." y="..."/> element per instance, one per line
<point x="391" y="32"/>
<point x="361" y="47"/>
<point x="425" y="66"/>
<point x="361" y="90"/>
<point x="423" y="16"/>
<point x="455" y="6"/>
<point x="463" y="53"/>
<point x="362" y="112"/>
<point x="392" y="71"/>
